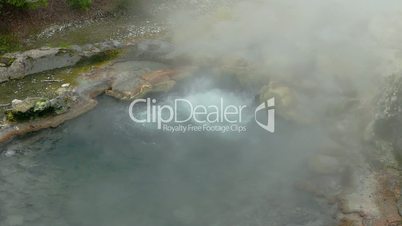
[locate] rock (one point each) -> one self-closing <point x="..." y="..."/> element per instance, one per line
<point x="28" y="108"/>
<point x="33" y="107"/>
<point x="26" y="105"/>
<point x="116" y="44"/>
<point x="158" y="76"/>
<point x="129" y="89"/>
<point x="399" y="205"/>
<point x="76" y="48"/>
<point x="61" y="90"/>
<point x="388" y="119"/>
<point x="15" y="102"/>
<point x="66" y="85"/>
<point x="348" y="222"/>
<point x="42" y="105"/>
<point x="20" y="64"/>
<point x="6" y="61"/>
<point x="65" y="99"/>
<point x="2" y="124"/>
<point x="160" y="80"/>
<point x="152" y="50"/>
<point x="135" y="79"/>
<point x="163" y="86"/>
<point x="109" y="45"/>
<point x="10" y="153"/>
<point x="77" y="108"/>
<point x="133" y="68"/>
<point x="37" y="60"/>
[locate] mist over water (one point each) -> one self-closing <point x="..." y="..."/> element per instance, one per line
<point x="104" y="169"/>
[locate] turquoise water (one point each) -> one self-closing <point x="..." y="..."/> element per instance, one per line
<point x="103" y="169"/>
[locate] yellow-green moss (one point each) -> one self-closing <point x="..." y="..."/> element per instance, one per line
<point x="10" y="116"/>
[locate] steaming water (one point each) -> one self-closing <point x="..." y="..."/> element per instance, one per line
<point x="102" y="169"/>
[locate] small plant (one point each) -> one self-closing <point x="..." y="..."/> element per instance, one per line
<point x="80" y="4"/>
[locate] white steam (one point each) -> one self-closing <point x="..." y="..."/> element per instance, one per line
<point x="329" y="42"/>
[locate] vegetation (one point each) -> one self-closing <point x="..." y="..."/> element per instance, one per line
<point x="23" y="4"/>
<point x="8" y="43"/>
<point x="80" y="4"/>
<point x="34" y="4"/>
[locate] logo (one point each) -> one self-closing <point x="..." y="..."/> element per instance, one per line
<point x="267" y="106"/>
<point x="182" y="115"/>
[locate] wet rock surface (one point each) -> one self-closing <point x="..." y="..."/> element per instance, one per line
<point x="134" y="79"/>
<point x="152" y="50"/>
<point x="20" y="64"/>
<point x="12" y="130"/>
<point x="126" y="78"/>
<point x="28" y="109"/>
<point x="36" y="107"/>
<point x="385" y="133"/>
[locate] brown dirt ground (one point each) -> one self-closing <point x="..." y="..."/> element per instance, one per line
<point x="23" y="22"/>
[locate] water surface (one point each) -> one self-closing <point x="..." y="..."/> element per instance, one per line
<point x="103" y="169"/>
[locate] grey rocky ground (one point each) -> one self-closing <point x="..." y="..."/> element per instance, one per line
<point x="20" y="64"/>
<point x="127" y="77"/>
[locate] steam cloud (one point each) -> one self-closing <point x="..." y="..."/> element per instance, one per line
<point x="326" y="41"/>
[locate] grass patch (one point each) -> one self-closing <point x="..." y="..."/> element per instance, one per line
<point x="9" y="43"/>
<point x="80" y="4"/>
<point x="23" y="4"/>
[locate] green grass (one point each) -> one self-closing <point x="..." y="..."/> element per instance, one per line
<point x="23" y="4"/>
<point x="9" y="43"/>
<point x="80" y="4"/>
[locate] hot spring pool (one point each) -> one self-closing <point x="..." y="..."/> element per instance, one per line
<point x="103" y="169"/>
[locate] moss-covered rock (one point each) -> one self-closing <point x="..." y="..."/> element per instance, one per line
<point x="29" y="108"/>
<point x="36" y="107"/>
